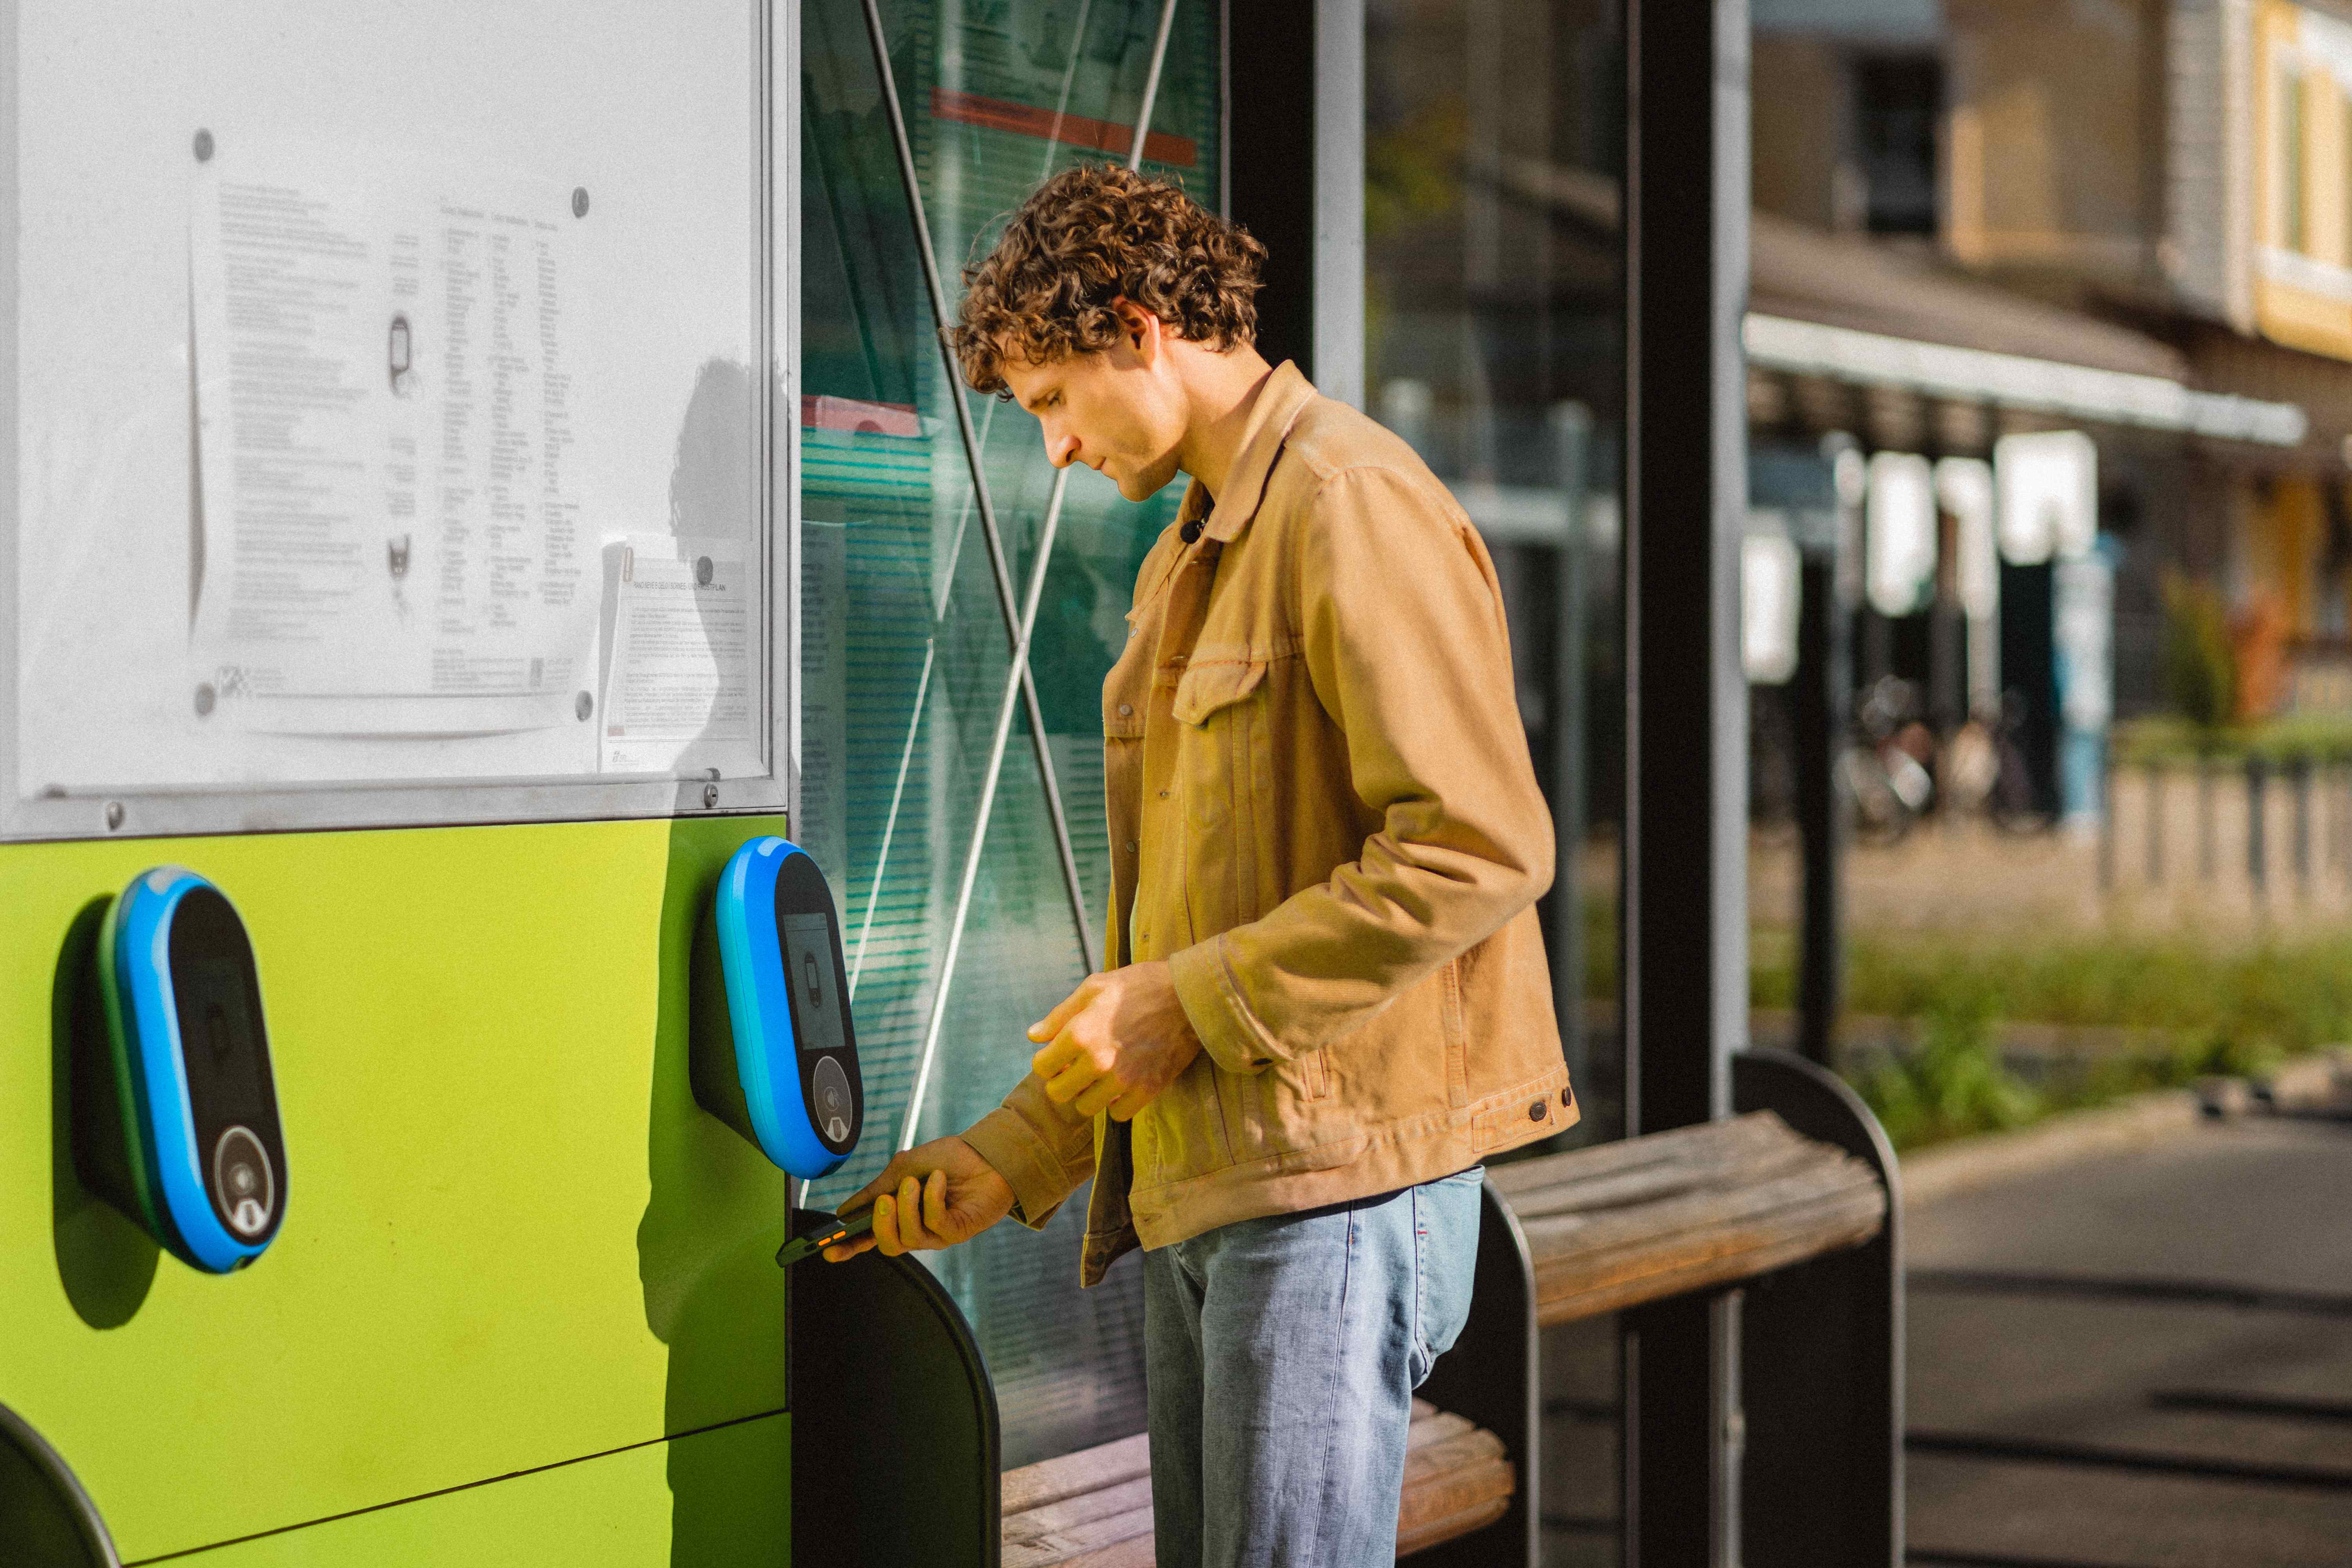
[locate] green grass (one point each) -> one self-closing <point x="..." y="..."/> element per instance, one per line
<point x="2210" y="1009"/>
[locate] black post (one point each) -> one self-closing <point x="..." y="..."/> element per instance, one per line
<point x="2258" y="854"/>
<point x="1821" y="693"/>
<point x="2298" y="773"/>
<point x="1685" y="894"/>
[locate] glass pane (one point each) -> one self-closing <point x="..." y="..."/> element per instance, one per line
<point x="361" y="379"/>
<point x="904" y="650"/>
<point x="1494" y="332"/>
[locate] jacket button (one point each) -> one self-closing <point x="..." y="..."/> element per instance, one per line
<point x="1535" y="1112"/>
<point x="1126" y="711"/>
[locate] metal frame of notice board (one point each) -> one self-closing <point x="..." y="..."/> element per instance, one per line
<point x="29" y="812"/>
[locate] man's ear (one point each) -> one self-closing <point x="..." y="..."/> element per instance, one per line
<point x="1143" y="330"/>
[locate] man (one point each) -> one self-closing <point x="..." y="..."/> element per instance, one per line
<point x="1325" y="999"/>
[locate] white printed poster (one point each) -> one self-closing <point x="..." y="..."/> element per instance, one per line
<point x="390" y="537"/>
<point x="678" y="694"/>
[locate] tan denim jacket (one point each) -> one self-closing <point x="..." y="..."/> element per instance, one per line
<point x="1323" y="817"/>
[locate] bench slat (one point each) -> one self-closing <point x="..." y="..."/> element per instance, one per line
<point x="1066" y="1546"/>
<point x="1093" y="1509"/>
<point x="1135" y="1553"/>
<point x="1437" y="1532"/>
<point x="1068" y="1514"/>
<point x="1734" y="1246"/>
<point x="1089" y="1469"/>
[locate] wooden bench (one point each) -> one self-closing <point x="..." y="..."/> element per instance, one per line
<point x="1694" y="1209"/>
<point x="1793" y="1201"/>
<point x="1093" y="1509"/>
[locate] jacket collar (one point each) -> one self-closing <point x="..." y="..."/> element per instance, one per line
<point x="1285" y="395"/>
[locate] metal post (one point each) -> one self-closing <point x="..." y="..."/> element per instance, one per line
<point x="2257" y="838"/>
<point x="2299" y="774"/>
<point x="1822" y="690"/>
<point x="2106" y="810"/>
<point x="2207" y="859"/>
<point x="2257" y="826"/>
<point x="1571" y="429"/>
<point x="2152" y="790"/>
<point x="1686" y="898"/>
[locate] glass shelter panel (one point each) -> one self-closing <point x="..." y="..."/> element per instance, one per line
<point x="1494" y="343"/>
<point x="904" y="648"/>
<point x="384" y="411"/>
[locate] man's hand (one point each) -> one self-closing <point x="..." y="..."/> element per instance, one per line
<point x="932" y="1196"/>
<point x="1116" y="1042"/>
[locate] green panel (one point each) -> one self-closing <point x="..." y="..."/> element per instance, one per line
<point x="615" y="1509"/>
<point x="511" y="1237"/>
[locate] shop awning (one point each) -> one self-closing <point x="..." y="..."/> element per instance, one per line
<point x="2017" y="381"/>
<point x="1862" y="311"/>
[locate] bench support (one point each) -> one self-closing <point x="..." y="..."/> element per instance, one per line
<point x="1822" y="1356"/>
<point x="1489" y="1376"/>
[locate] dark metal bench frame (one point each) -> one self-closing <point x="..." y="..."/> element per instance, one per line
<point x="901" y="1461"/>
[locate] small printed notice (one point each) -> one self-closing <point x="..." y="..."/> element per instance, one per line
<point x="677" y="697"/>
<point x="389" y="538"/>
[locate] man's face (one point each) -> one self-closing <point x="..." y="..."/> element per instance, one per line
<point x="1118" y="411"/>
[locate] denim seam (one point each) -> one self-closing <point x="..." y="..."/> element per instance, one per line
<point x="1323" y="1510"/>
<point x="1420" y="1347"/>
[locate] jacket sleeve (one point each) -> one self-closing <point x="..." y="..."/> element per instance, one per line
<point x="1403" y="631"/>
<point x="1043" y="1151"/>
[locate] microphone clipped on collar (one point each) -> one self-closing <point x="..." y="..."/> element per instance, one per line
<point x="1191" y="531"/>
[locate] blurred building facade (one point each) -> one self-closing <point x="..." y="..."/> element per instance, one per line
<point x="2136" y="216"/>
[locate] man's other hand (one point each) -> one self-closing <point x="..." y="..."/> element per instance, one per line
<point x="932" y="1197"/>
<point x="1116" y="1042"/>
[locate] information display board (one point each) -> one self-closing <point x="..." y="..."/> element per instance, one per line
<point x="387" y="414"/>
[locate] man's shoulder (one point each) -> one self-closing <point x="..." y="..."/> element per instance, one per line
<point x="1335" y="452"/>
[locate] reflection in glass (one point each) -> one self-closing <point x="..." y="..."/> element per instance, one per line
<point x="904" y="649"/>
<point x="1494" y="328"/>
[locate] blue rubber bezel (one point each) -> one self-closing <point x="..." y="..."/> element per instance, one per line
<point x="767" y="1062"/>
<point x="159" y="1072"/>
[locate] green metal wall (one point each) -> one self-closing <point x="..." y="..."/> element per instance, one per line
<point x="512" y="1242"/>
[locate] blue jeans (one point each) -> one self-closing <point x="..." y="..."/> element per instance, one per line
<point x="1280" y="1356"/>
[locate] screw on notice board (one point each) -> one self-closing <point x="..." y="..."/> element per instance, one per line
<point x="113" y="814"/>
<point x="203" y="146"/>
<point x="710" y="794"/>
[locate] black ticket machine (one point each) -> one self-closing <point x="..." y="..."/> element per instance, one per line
<point x="190" y="1146"/>
<point x="774" y="1054"/>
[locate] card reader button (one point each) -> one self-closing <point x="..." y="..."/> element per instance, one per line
<point x="243" y="1183"/>
<point x="834" y="1104"/>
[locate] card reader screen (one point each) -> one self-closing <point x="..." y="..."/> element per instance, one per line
<point x="809" y="966"/>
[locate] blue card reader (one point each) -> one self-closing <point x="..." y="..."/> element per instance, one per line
<point x="199" y="1158"/>
<point x="774" y="1053"/>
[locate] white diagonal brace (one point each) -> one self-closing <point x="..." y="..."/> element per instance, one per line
<point x="1002" y="572"/>
<point x="1017" y="677"/>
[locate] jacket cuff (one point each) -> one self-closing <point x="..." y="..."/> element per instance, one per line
<point x="1229" y="1031"/>
<point x="1005" y="1140"/>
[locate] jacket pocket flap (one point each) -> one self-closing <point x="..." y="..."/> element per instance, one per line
<point x="1206" y="687"/>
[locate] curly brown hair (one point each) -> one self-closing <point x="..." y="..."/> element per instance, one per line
<point x="1091" y="236"/>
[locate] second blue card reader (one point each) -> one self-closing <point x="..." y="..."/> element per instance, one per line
<point x="774" y="1054"/>
<point x="195" y="1153"/>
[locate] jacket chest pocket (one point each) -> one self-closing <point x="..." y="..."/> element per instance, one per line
<point x="1221" y="768"/>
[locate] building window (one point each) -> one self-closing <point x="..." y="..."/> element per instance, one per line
<point x="1897" y="101"/>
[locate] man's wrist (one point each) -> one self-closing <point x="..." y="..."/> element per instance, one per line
<point x="1217" y="1015"/>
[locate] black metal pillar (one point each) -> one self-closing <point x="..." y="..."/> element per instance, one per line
<point x="1686" y="887"/>
<point x="1822" y="691"/>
